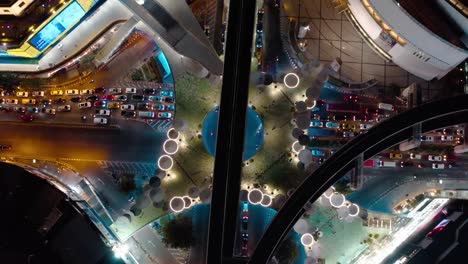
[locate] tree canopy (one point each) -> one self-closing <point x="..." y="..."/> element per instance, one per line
<point x="177" y="233"/>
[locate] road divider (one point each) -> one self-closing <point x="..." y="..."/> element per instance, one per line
<point x="68" y="125"/>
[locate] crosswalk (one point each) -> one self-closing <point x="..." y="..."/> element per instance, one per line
<point x="140" y="168"/>
<point x="179" y="255"/>
<point x="160" y="125"/>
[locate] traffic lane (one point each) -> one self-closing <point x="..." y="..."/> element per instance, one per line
<point x="149" y="241"/>
<point x="135" y="141"/>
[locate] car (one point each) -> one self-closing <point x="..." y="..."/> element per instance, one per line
<point x="127" y="107"/>
<point x="100" y="104"/>
<point x="365" y="126"/>
<point x="149" y="91"/>
<point x="22" y="94"/>
<point x="427" y="138"/>
<point x="92" y="98"/>
<point x="395" y="155"/>
<point x="168" y="99"/>
<point x="108" y="97"/>
<point x="27" y="117"/>
<point x="72" y="92"/>
<point x="348" y="134"/>
<point x="19" y="109"/>
<point x="85" y="105"/>
<point x="434" y="158"/>
<point x="5" y="147"/>
<point x="121" y="98"/>
<point x="11" y="101"/>
<point x="245" y="223"/>
<point x="260" y="27"/>
<point x="143" y="106"/>
<point x="46" y="102"/>
<point x="164" y="115"/>
<point x="59" y="101"/>
<point x="100" y="121"/>
<point x="56" y="92"/>
<point x="406" y="164"/>
<point x="446" y="138"/>
<point x="37" y="93"/>
<point x="156" y="99"/>
<point x="86" y="91"/>
<point x="113" y="105"/>
<point x="130" y="90"/>
<point x="104" y="112"/>
<point x="348" y="126"/>
<point x="259" y="42"/>
<point x="64" y="108"/>
<point x="128" y="113"/>
<point x="316" y="124"/>
<point x="170" y="107"/>
<point x="49" y="111"/>
<point x="75" y="99"/>
<point x="166" y="93"/>
<point x="460" y="132"/>
<point x="438" y="166"/>
<point x="138" y="97"/>
<point x="159" y="107"/>
<point x="28" y="101"/>
<point x="331" y="125"/>
<point x="316" y="152"/>
<point x="146" y="114"/>
<point x="415" y="156"/>
<point x="33" y="110"/>
<point x="99" y="90"/>
<point x="115" y="90"/>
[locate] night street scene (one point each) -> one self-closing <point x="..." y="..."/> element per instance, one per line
<point x="233" y="131"/>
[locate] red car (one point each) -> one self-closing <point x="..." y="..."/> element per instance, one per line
<point x="27" y="118"/>
<point x="100" y="103"/>
<point x="100" y="90"/>
<point x="109" y="97"/>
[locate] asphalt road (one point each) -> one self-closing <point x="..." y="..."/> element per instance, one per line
<point x="135" y="141"/>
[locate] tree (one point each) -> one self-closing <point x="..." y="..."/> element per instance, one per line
<point x="177" y="233"/>
<point x="287" y="251"/>
<point x="127" y="183"/>
<point x="8" y="81"/>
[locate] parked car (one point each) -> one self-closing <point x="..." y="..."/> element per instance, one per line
<point x="348" y="134"/>
<point x="434" y="158"/>
<point x="11" y="101"/>
<point x="146" y="114"/>
<point x="396" y="155"/>
<point x="164" y="115"/>
<point x="166" y="93"/>
<point x="99" y="90"/>
<point x="446" y="138"/>
<point x="149" y="91"/>
<point x="159" y="107"/>
<point x="316" y="124"/>
<point x="22" y="94"/>
<point x="415" y="156"/>
<point x="27" y="117"/>
<point x="49" y="111"/>
<point x="121" y="98"/>
<point x="28" y="101"/>
<point x="128" y="113"/>
<point x="438" y="166"/>
<point x="332" y="125"/>
<point x="108" y="97"/>
<point x="92" y="98"/>
<point x="168" y="99"/>
<point x="87" y="91"/>
<point x="143" y="106"/>
<point x="138" y="97"/>
<point x="100" y="104"/>
<point x="33" y="110"/>
<point x="56" y="92"/>
<point x="104" y="112"/>
<point x="427" y="138"/>
<point x="130" y="90"/>
<point x="113" y="105"/>
<point x="156" y="99"/>
<point x="115" y="90"/>
<point x="365" y="126"/>
<point x="37" y="93"/>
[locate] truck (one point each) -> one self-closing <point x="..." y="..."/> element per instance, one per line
<point x="348" y="108"/>
<point x="387" y="164"/>
<point x="387" y="107"/>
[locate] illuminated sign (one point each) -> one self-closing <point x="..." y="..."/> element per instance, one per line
<point x="59" y="24"/>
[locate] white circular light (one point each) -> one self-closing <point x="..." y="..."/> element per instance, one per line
<point x="307" y="240"/>
<point x="296" y="147"/>
<point x="255" y="196"/>
<point x="172" y="134"/>
<point x="337" y="200"/>
<point x="170" y="146"/>
<point x="353" y="209"/>
<point x="165" y="162"/>
<point x="291" y="80"/>
<point x="187" y="202"/>
<point x="266" y="200"/>
<point x="177" y="204"/>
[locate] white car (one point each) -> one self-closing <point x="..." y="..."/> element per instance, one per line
<point x="85" y="105"/>
<point x="64" y="108"/>
<point x="22" y="94"/>
<point x="50" y="111"/>
<point x="11" y="101"/>
<point x="434" y="158"/>
<point x="38" y="93"/>
<point x="415" y="156"/>
<point x="100" y="120"/>
<point x="130" y="90"/>
<point x="348" y="134"/>
<point x="87" y="91"/>
<point x="104" y="112"/>
<point x="72" y="92"/>
<point x="121" y="98"/>
<point x="438" y="166"/>
<point x="446" y="138"/>
<point x="427" y="138"/>
<point x="365" y="126"/>
<point x="127" y="107"/>
<point x="460" y="132"/>
<point x="115" y="90"/>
